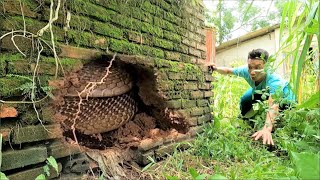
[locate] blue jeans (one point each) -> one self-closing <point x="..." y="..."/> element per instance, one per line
<point x="247" y="100"/>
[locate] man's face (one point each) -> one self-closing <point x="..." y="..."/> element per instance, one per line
<point x="256" y="70"/>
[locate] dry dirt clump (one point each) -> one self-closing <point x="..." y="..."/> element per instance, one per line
<point x="6" y="111"/>
<point x="130" y="134"/>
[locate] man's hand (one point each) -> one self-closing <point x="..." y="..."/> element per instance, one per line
<point x="211" y="67"/>
<point x="265" y="134"/>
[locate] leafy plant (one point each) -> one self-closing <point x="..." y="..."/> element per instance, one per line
<point x="51" y="162"/>
<point x="2" y="175"/>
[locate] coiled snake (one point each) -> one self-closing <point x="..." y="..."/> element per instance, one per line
<point x="109" y="106"/>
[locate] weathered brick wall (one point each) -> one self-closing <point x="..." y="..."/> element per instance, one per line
<point x="166" y="36"/>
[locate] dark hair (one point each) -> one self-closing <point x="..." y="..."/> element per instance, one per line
<point x="258" y="54"/>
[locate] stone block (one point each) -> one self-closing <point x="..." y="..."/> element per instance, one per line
<point x="188" y="103"/>
<point x="201" y="32"/>
<point x="149" y="28"/>
<point x="196" y="111"/>
<point x="172" y="18"/>
<point x="5" y="132"/>
<point x="85" y="39"/>
<point x="192" y="77"/>
<point x="19" y="67"/>
<point x="204" y="119"/>
<point x="107" y="29"/>
<point x="203" y="55"/>
<point x="36" y="133"/>
<point x="181" y="48"/>
<point x="201" y="47"/>
<point x="205" y="86"/>
<point x="59" y="149"/>
<point x="165" y="150"/>
<point x="176" y="94"/>
<point x="24" y="44"/>
<point x="175" y="76"/>
<point x="195" y="52"/>
<point x="136" y="37"/>
<point x="172" y="55"/>
<point x="209" y="77"/>
<point x="192" y="121"/>
<point x="123" y="46"/>
<point x="172" y="36"/>
<point x="147" y="144"/>
<point x="174" y="104"/>
<point x="186" y="58"/>
<point x="196" y="94"/>
<point x="9" y="86"/>
<point x="207" y="110"/>
<point x="190" y="86"/>
<point x="33" y="173"/>
<point x="175" y="137"/>
<point x="153" y="52"/>
<point x="6" y="111"/>
<point x="13" y="159"/>
<point x="200" y="16"/>
<point x="14" y="8"/>
<point x="208" y="94"/>
<point x="162" y="75"/>
<point x="79" y="53"/>
<point x="182" y="31"/>
<point x="202" y="102"/>
<point x="193" y="131"/>
<point x="184" y="112"/>
<point x="145" y="157"/>
<point x="211" y="101"/>
<point x="162" y="43"/>
<point x="166" y="25"/>
<point x="165" y="85"/>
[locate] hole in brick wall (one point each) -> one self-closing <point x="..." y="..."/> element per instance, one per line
<point x="128" y="116"/>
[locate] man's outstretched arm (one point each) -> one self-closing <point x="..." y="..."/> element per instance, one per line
<point x="221" y="70"/>
<point x="265" y="132"/>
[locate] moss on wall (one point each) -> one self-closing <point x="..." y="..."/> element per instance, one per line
<point x="11" y="85"/>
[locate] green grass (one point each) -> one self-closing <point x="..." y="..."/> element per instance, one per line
<point x="226" y="148"/>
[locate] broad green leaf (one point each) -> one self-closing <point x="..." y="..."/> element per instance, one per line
<point x="46" y="169"/>
<point x="171" y="177"/>
<point x="193" y="173"/>
<point x="313" y="101"/>
<point x="52" y="162"/>
<point x="147" y="167"/>
<point x="307" y="164"/>
<point x="3" y="176"/>
<point x="0" y="150"/>
<point x="217" y="177"/>
<point x="201" y="177"/>
<point x="41" y="177"/>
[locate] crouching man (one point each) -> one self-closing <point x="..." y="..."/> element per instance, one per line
<point x="259" y="78"/>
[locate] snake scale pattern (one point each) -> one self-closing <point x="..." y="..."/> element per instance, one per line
<point x="109" y="106"/>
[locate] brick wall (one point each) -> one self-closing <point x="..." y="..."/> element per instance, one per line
<point x="166" y="36"/>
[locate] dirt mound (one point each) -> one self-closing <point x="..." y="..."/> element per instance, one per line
<point x="141" y="127"/>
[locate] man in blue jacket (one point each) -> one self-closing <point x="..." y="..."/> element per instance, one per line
<point x="259" y="78"/>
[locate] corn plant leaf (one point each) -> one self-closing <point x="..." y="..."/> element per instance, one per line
<point x="201" y="177"/>
<point x="171" y="177"/>
<point x="193" y="173"/>
<point x="41" y="177"/>
<point x="217" y="177"/>
<point x="307" y="164"/>
<point x="52" y="162"/>
<point x="313" y="101"/>
<point x="3" y="176"/>
<point x="0" y="150"/>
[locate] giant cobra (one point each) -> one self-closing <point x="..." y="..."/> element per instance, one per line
<point x="109" y="106"/>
